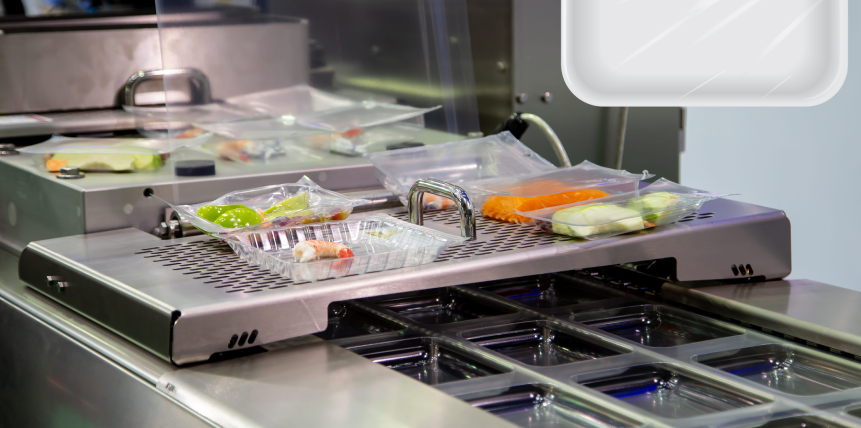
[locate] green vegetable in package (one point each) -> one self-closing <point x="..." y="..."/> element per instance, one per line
<point x="288" y="207"/>
<point x="212" y="212"/>
<point x="596" y="219"/>
<point x="239" y="217"/>
<point x="655" y="206"/>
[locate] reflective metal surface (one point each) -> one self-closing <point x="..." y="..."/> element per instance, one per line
<point x="449" y="191"/>
<point x="808" y="310"/>
<point x="185" y="316"/>
<point x="201" y="95"/>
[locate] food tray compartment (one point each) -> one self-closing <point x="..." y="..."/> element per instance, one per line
<point x="347" y="320"/>
<point x="427" y="360"/>
<point x="541" y="343"/>
<point x="656" y="325"/>
<point x="546" y="292"/>
<point x="788" y="369"/>
<point x="668" y="391"/>
<point x="441" y="306"/>
<point x="545" y="406"/>
<point x="854" y="411"/>
<point x="379" y="242"/>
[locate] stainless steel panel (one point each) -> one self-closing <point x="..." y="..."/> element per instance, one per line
<point x="87" y="68"/>
<point x="218" y="296"/>
<point x="809" y="310"/>
<point x="50" y="379"/>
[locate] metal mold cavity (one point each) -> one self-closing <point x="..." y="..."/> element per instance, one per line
<point x="547" y="291"/>
<point x="346" y="320"/>
<point x="545" y="406"/>
<point x="657" y="326"/>
<point x="541" y="343"/>
<point x="801" y="422"/>
<point x="441" y="306"/>
<point x="426" y="360"/>
<point x="669" y="392"/>
<point x="787" y="369"/>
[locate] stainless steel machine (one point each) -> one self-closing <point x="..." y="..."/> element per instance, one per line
<point x="691" y="324"/>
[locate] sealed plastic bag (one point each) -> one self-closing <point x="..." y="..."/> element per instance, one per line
<point x="499" y="198"/>
<point x="458" y="162"/>
<point x="108" y="154"/>
<point x="335" y="120"/>
<point x="254" y="151"/>
<point x="662" y="202"/>
<point x="269" y="207"/>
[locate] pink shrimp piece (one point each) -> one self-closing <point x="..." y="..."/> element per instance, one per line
<point x="309" y="251"/>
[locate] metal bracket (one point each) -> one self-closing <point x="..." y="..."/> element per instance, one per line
<point x="445" y="190"/>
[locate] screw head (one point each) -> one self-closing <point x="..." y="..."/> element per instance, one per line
<point x="547" y="97"/>
<point x="522" y="98"/>
<point x="501" y="66"/>
<point x="70" y="173"/>
<point x="7" y="149"/>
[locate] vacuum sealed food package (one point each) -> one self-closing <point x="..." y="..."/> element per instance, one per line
<point x="458" y="162"/>
<point x="108" y="154"/>
<point x="662" y="202"/>
<point x="332" y="250"/>
<point x="251" y="151"/>
<point x="499" y="198"/>
<point x="268" y="207"/>
<point x="333" y="120"/>
<point x="360" y="141"/>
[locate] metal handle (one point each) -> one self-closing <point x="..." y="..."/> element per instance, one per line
<point x="445" y="190"/>
<point x="202" y="94"/>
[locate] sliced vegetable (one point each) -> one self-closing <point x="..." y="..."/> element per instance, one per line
<point x="212" y="212"/>
<point x="239" y="217"/>
<point x="658" y="204"/>
<point x="596" y="219"/>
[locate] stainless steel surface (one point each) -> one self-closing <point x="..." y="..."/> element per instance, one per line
<point x="547" y="97"/>
<point x="202" y="93"/>
<point x="522" y="98"/>
<point x="214" y="296"/>
<point x="38" y="206"/>
<point x="71" y="123"/>
<point x="440" y="188"/>
<point x="85" y="70"/>
<point x="545" y="128"/>
<point x="70" y="173"/>
<point x="620" y="136"/>
<point x="808" y="310"/>
<point x="59" y="369"/>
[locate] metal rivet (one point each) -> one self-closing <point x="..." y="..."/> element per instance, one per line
<point x="522" y="98"/>
<point x="501" y="66"/>
<point x="547" y="97"/>
<point x="70" y="173"/>
<point x="52" y="280"/>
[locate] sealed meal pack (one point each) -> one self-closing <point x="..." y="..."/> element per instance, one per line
<point x="458" y="162"/>
<point x="269" y="207"/>
<point x="663" y="202"/>
<point x="499" y="198"/>
<point x="108" y="154"/>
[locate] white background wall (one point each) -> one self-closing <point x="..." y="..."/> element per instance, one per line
<point x="806" y="161"/>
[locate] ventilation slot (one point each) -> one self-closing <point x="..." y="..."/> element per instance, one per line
<point x="742" y="269"/>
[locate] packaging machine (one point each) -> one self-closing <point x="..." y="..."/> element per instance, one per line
<point x="107" y="324"/>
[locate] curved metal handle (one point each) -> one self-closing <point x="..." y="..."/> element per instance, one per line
<point x="445" y="190"/>
<point x="201" y="95"/>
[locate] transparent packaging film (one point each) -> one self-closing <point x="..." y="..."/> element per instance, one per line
<point x="662" y="202"/>
<point x="268" y="207"/>
<point x="376" y="243"/>
<point x="109" y="154"/>
<point x="499" y="198"/>
<point x="495" y="156"/>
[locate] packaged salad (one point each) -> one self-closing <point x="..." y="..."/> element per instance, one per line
<point x="662" y="202"/>
<point x="499" y="198"/>
<point x="108" y="154"/>
<point x="269" y="207"/>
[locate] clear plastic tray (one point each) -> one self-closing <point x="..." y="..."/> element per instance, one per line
<point x="379" y="242"/>
<point x="495" y="156"/>
<point x="499" y="198"/>
<point x="324" y="205"/>
<point x="662" y="202"/>
<point x="108" y="154"/>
